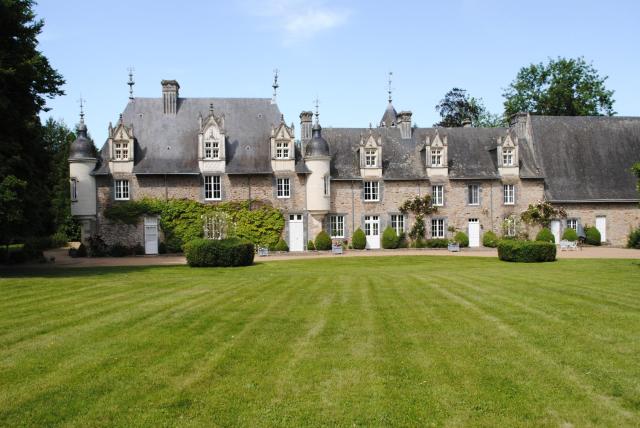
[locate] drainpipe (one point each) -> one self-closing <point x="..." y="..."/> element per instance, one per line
<point x="353" y="210"/>
<point x="249" y="185"/>
<point x="166" y="191"/>
<point x="491" y="206"/>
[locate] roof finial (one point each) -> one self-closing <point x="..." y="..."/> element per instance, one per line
<point x="317" y="101"/>
<point x="131" y="82"/>
<point x="275" y="86"/>
<point x="81" y="101"/>
<point x="211" y="109"/>
<point x="389" y="90"/>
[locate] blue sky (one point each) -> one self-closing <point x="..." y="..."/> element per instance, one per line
<point x="340" y="51"/>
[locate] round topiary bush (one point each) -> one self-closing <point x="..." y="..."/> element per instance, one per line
<point x="311" y="246"/>
<point x="359" y="240"/>
<point x="570" y="235"/>
<point x="323" y="241"/>
<point x="225" y="252"/>
<point x="389" y="238"/>
<point x="281" y="246"/>
<point x="633" y="241"/>
<point x="462" y="239"/>
<point x="593" y="236"/>
<point x="490" y="239"/>
<point x="545" y="235"/>
<point x="526" y="251"/>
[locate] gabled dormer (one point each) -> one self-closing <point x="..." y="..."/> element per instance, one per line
<point x="282" y="143"/>
<point x="508" y="156"/>
<point x="121" y="147"/>
<point x="436" y="156"/>
<point x="211" y="142"/>
<point x="370" y="155"/>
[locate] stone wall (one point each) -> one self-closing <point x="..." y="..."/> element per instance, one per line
<point x="621" y="219"/>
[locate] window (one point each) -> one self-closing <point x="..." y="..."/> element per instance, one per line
<point x="572" y="223"/>
<point x="370" y="157"/>
<point x="282" y="150"/>
<point x="122" y="190"/>
<point x="437" y="228"/>
<point x="74" y="189"/>
<point x="327" y="185"/>
<point x="336" y="226"/>
<point x="283" y="188"/>
<point x="473" y="194"/>
<point x="509" y="194"/>
<point x="437" y="195"/>
<point x="507" y="157"/>
<point x="436" y="157"/>
<point x="121" y="151"/>
<point x="397" y="223"/>
<point x="212" y="188"/>
<point x="371" y="190"/>
<point x="211" y="150"/>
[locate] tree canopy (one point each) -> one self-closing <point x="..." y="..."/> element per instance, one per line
<point x="458" y="108"/>
<point x="562" y="87"/>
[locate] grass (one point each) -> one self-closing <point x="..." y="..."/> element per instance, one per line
<point x="414" y="341"/>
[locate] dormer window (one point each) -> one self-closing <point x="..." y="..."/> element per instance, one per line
<point x="211" y="149"/>
<point x="436" y="157"/>
<point x="121" y="151"/>
<point x="282" y="150"/>
<point x="371" y="158"/>
<point x="507" y="156"/>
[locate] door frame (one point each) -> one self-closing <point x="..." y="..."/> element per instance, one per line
<point x="150" y="222"/>
<point x="470" y="221"/>
<point x="371" y="222"/>
<point x="299" y="219"/>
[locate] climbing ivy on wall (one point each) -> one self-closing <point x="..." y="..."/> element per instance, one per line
<point x="181" y="220"/>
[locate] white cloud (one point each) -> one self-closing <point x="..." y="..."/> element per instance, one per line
<point x="297" y="20"/>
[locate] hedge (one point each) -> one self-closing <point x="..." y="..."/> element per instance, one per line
<point x="545" y="235"/>
<point x="570" y="235"/>
<point x="592" y="236"/>
<point x="389" y="238"/>
<point x="462" y="239"/>
<point x="490" y="239"/>
<point x="526" y="251"/>
<point x="359" y="240"/>
<point x="323" y="241"/>
<point x="226" y="252"/>
<point x="633" y="241"/>
<point x="311" y="246"/>
<point x="281" y="246"/>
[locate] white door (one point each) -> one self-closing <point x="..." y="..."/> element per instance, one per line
<point x="296" y="232"/>
<point x="601" y="225"/>
<point x="372" y="230"/>
<point x="150" y="235"/>
<point x="555" y="230"/>
<point x="474" y="232"/>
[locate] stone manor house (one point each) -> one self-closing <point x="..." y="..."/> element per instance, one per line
<point x="339" y="179"/>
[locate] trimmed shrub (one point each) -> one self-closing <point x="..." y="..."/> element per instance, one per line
<point x="311" y="246"/>
<point x="82" y="251"/>
<point x="402" y="241"/>
<point x="545" y="235"/>
<point x="389" y="238"/>
<point x="570" y="235"/>
<point x="59" y="239"/>
<point x="138" y="250"/>
<point x="119" y="250"/>
<point x="359" y="240"/>
<point x="633" y="240"/>
<point x="526" y="251"/>
<point x="225" y="252"/>
<point x="97" y="247"/>
<point x="323" y="241"/>
<point x="593" y="236"/>
<point x="462" y="239"/>
<point x="281" y="246"/>
<point x="490" y="239"/>
<point x="438" y="243"/>
<point x="162" y="248"/>
<point x="419" y="243"/>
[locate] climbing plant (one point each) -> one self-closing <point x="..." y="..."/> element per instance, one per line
<point x="420" y="207"/>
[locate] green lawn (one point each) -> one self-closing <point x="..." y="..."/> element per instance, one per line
<point x="413" y="341"/>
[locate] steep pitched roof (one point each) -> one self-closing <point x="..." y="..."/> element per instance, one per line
<point x="167" y="144"/>
<point x="587" y="158"/>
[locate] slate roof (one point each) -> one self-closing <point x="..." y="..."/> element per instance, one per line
<point x="390" y="116"/>
<point x="587" y="158"/>
<point x="167" y="144"/>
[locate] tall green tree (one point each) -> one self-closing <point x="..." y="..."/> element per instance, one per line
<point x="26" y="81"/>
<point x="562" y="87"/>
<point x="11" y="208"/>
<point x="458" y="108"/>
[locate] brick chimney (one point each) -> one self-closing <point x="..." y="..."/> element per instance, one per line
<point x="306" y="118"/>
<point x="170" y="96"/>
<point x="404" y="122"/>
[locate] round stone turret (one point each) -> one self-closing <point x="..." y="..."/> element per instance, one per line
<point x="81" y="148"/>
<point x="317" y="146"/>
<point x="82" y="162"/>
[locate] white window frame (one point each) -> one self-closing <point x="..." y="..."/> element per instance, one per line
<point x="508" y="156"/>
<point x="436" y="157"/>
<point x="509" y="194"/>
<point x="282" y="150"/>
<point x="437" y="228"/>
<point x="511" y="226"/>
<point x="371" y="158"/>
<point x="212" y="188"/>
<point x="397" y="223"/>
<point x="437" y="195"/>
<point x="371" y="191"/>
<point x="327" y="185"/>
<point x="572" y="223"/>
<point x="121" y="151"/>
<point x="283" y="188"/>
<point x="336" y="226"/>
<point x="212" y="149"/>
<point x="473" y="194"/>
<point x="121" y="190"/>
<point x="74" y="189"/>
